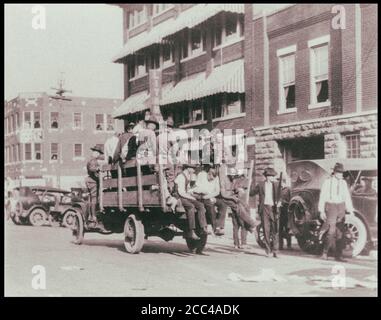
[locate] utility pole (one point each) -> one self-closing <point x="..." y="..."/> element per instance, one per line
<point x="60" y="97"/>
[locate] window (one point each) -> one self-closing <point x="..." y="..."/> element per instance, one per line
<point x="131" y="68"/>
<point x="184" y="44"/>
<point x="193" y="42"/>
<point x="13" y="123"/>
<point x="99" y="121"/>
<point x="286" y="78"/>
<point x="353" y="145"/>
<point x="137" y="17"/>
<point x="27" y="120"/>
<point x="54" y="151"/>
<point x="168" y="54"/>
<point x="37" y="120"/>
<point x="140" y="66"/>
<point x="319" y="66"/>
<point x="77" y="150"/>
<point x="110" y="123"/>
<point x="197" y="113"/>
<point x="54" y="120"/>
<point x="77" y="120"/>
<point x="228" y="27"/>
<point x="37" y="151"/>
<point x="28" y="151"/>
<point x="161" y="7"/>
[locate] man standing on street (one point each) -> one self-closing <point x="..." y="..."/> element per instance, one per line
<point x="334" y="200"/>
<point x="268" y="210"/>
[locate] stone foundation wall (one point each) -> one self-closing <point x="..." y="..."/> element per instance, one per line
<point x="268" y="154"/>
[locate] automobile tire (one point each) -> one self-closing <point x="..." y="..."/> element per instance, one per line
<point x="133" y="234"/>
<point x="38" y="217"/>
<point x="68" y="219"/>
<point x="78" y="228"/>
<point x="356" y="236"/>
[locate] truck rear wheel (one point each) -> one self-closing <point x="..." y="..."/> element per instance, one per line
<point x="356" y="236"/>
<point x="133" y="234"/>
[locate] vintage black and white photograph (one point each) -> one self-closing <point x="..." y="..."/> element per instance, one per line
<point x="190" y="150"/>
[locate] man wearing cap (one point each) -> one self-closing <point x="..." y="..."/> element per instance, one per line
<point x="191" y="205"/>
<point x="334" y="200"/>
<point x="92" y="184"/>
<point x="268" y="210"/>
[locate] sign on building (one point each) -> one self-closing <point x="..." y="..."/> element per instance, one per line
<point x="155" y="92"/>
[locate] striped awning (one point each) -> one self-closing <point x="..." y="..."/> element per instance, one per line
<point x="186" y="19"/>
<point x="226" y="78"/>
<point x="138" y="102"/>
<point x="134" y="103"/>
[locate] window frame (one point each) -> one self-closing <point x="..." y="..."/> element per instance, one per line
<point x="193" y="53"/>
<point x="34" y="119"/>
<point x="282" y="54"/>
<point x="350" y="151"/>
<point x="160" y="12"/>
<point x="231" y="39"/>
<point x="51" y="152"/>
<point x="50" y="120"/>
<point x="80" y="157"/>
<point x="81" y="122"/>
<point x="24" y="121"/>
<point x="135" y="17"/>
<point x="312" y="45"/>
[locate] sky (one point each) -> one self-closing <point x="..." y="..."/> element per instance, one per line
<point x="79" y="40"/>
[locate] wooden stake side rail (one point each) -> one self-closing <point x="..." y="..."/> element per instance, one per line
<point x="147" y="180"/>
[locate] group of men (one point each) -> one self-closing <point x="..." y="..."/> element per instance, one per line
<point x="207" y="191"/>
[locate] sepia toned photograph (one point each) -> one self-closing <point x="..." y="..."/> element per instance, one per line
<point x="191" y="150"/>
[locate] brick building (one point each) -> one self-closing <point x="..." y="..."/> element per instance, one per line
<point x="314" y="92"/>
<point x="47" y="141"/>
<point x="302" y="79"/>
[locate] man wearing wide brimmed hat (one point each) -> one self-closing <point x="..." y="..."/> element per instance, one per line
<point x="334" y="200"/>
<point x="92" y="184"/>
<point x="267" y="192"/>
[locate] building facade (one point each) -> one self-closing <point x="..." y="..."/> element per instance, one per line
<point x="314" y="75"/>
<point x="47" y="141"/>
<point x="302" y="80"/>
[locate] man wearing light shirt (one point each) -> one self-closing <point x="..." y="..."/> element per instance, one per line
<point x="334" y="200"/>
<point x="208" y="184"/>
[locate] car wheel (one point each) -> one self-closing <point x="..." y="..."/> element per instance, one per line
<point x="355" y="235"/>
<point x="38" y="217"/>
<point x="133" y="234"/>
<point x="68" y="219"/>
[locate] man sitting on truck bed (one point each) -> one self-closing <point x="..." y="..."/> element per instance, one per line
<point x="189" y="201"/>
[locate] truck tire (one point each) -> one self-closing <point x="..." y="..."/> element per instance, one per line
<point x="38" y="217"/>
<point x="133" y="234"/>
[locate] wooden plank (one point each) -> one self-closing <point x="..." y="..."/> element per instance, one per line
<point x="140" y="187"/>
<point x="147" y="180"/>
<point x="250" y="177"/>
<point x="101" y="188"/>
<point x="130" y="199"/>
<point x="120" y="201"/>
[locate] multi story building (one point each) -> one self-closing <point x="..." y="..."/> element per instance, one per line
<point x="302" y="79"/>
<point x="313" y="70"/>
<point x="47" y="141"/>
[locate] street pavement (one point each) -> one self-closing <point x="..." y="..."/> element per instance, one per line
<point x="101" y="267"/>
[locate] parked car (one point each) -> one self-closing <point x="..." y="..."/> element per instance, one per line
<point x="33" y="205"/>
<point x="307" y="177"/>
